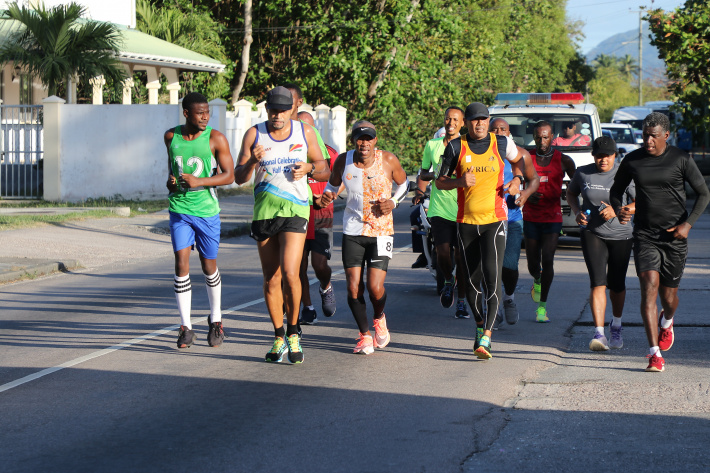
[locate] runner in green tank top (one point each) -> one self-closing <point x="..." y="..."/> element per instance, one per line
<point x="198" y="160"/>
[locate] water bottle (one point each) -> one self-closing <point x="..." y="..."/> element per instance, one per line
<point x="586" y="213"/>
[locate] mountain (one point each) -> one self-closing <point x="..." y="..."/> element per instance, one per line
<point x="613" y="46"/>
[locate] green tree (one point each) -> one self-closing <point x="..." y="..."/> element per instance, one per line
<point x="628" y="66"/>
<point x="55" y="45"/>
<point x="191" y="27"/>
<point x="605" y="61"/>
<point x="683" y="41"/>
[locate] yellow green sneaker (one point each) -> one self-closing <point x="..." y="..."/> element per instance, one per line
<point x="541" y="315"/>
<point x="276" y="354"/>
<point x="535" y="292"/>
<point x="484" y="348"/>
<point x="479" y="334"/>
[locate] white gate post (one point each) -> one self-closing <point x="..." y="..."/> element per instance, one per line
<point x="338" y="128"/>
<point x="52" y="147"/>
<point x="218" y="115"/>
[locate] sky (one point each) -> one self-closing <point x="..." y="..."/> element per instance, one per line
<point x="605" y="18"/>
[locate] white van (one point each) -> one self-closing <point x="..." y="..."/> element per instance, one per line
<point x="522" y="111"/>
<point x="631" y="115"/>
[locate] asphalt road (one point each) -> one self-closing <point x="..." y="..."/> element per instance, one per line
<point x="112" y="393"/>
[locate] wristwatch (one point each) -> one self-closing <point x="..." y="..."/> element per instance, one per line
<point x="313" y="169"/>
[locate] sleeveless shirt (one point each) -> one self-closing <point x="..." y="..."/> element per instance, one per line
<point x="364" y="187"/>
<point x="484" y="202"/>
<point x="193" y="157"/>
<point x="276" y="194"/>
<point x="548" y="209"/>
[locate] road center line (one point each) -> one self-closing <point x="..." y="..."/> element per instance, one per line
<point x="137" y="340"/>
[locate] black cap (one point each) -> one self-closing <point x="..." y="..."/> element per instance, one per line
<point x="476" y="110"/>
<point x="279" y="98"/>
<point x="364" y="130"/>
<point x="604" y="145"/>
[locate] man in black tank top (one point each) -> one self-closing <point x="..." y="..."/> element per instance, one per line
<point x="661" y="225"/>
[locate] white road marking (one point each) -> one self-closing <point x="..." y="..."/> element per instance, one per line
<point x="137" y="340"/>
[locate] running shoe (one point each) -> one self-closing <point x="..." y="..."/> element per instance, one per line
<point x="665" y="335"/>
<point x="327" y="301"/>
<point x="616" y="340"/>
<point x="364" y="345"/>
<point x="461" y="311"/>
<point x="511" y="312"/>
<point x="541" y="315"/>
<point x="479" y="334"/>
<point x="447" y="295"/>
<point x="484" y="348"/>
<point x="276" y="354"/>
<point x="215" y="337"/>
<point x="655" y="363"/>
<point x="295" y="354"/>
<point x="382" y="335"/>
<point x="186" y="337"/>
<point x="308" y="316"/>
<point x="599" y="343"/>
<point x="421" y="262"/>
<point x="535" y="292"/>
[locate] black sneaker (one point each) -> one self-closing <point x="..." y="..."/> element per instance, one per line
<point x="327" y="301"/>
<point x="421" y="262"/>
<point x="308" y="316"/>
<point x="462" y="311"/>
<point x="216" y="335"/>
<point x="185" y="337"/>
<point x="295" y="353"/>
<point x="447" y="295"/>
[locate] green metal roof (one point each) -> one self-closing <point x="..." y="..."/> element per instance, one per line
<point x="143" y="49"/>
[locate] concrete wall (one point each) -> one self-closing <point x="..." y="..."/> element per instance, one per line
<point x="93" y="151"/>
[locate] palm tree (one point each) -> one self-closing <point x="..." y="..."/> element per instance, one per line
<point x="628" y="66"/>
<point x="55" y="45"/>
<point x="605" y="60"/>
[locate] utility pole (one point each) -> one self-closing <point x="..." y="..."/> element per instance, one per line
<point x="640" y="58"/>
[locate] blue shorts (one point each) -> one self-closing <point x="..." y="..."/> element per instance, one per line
<point x="511" y="257"/>
<point x="201" y="232"/>
<point x="535" y="230"/>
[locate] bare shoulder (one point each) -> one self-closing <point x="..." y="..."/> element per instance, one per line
<point x="169" y="133"/>
<point x="389" y="158"/>
<point x="217" y="136"/>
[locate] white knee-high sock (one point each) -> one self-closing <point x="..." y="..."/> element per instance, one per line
<point x="213" y="283"/>
<point x="183" y="295"/>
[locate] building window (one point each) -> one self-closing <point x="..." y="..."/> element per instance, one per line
<point x="25" y="89"/>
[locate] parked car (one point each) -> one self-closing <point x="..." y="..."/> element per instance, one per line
<point x="623" y="134"/>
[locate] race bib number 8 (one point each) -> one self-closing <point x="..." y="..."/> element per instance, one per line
<point x="384" y="246"/>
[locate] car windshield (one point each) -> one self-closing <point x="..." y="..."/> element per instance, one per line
<point x="622" y="135"/>
<point x="568" y="131"/>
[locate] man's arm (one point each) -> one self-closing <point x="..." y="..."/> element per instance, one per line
<point x="249" y="157"/>
<point x="333" y="188"/>
<point x="568" y="166"/>
<point x="392" y="165"/>
<point x="523" y="166"/>
<point x="171" y="184"/>
<point x="423" y="176"/>
<point x="616" y="193"/>
<point x="448" y="166"/>
<point x="697" y="182"/>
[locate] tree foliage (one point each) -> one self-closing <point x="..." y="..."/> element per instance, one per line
<point x="55" y="44"/>
<point x="414" y="57"/>
<point x="683" y="41"/>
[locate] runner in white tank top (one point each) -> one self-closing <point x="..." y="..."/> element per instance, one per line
<point x="367" y="174"/>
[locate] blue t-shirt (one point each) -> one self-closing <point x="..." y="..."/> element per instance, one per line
<point x="515" y="213"/>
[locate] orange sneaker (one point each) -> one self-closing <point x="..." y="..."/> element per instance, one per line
<point x="382" y="335"/>
<point x="364" y="345"/>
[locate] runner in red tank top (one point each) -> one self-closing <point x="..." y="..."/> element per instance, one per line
<point x="542" y="215"/>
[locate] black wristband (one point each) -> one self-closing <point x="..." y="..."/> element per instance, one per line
<point x="310" y="174"/>
<point x="522" y="179"/>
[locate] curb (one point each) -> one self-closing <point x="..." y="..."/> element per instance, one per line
<point x="36" y="268"/>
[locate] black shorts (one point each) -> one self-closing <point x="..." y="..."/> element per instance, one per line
<point x="322" y="243"/>
<point x="264" y="229"/>
<point x="535" y="230"/>
<point x="667" y="258"/>
<point x="444" y="231"/>
<point x="359" y="250"/>
<point x="607" y="260"/>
